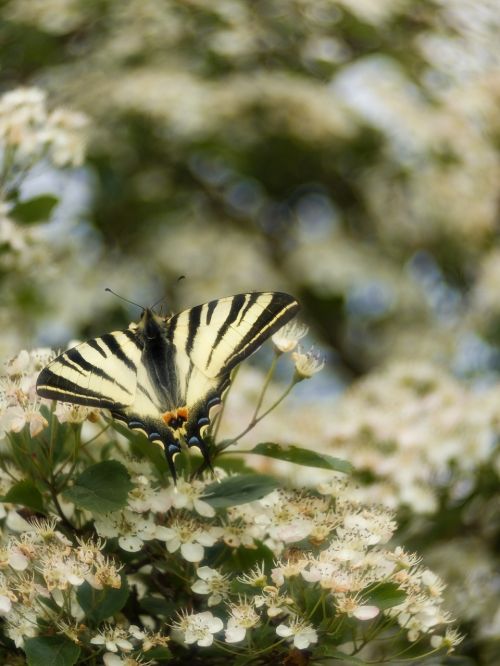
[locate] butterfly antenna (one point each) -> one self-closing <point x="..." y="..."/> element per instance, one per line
<point x="158" y="301"/>
<point x="123" y="299"/>
<point x="181" y="277"/>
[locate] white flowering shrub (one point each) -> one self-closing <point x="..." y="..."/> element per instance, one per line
<point x="104" y="560"/>
<point x="345" y="151"/>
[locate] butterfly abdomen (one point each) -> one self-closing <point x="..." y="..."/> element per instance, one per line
<point x="158" y="358"/>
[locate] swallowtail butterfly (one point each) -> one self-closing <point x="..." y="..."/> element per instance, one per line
<point x="165" y="376"/>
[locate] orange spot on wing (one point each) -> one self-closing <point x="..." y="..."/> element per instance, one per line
<point x="182" y="413"/>
<point x="176" y="417"/>
<point x="167" y="417"/>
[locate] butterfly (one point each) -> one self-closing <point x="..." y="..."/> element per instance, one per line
<point x="166" y="377"/>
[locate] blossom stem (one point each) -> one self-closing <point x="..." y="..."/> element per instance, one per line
<point x="409" y="648"/>
<point x="315" y="607"/>
<point x="59" y="510"/>
<point x="5" y="469"/>
<point x="92" y="439"/>
<point x="223" y="445"/>
<point x="224" y="648"/>
<point x="376" y="627"/>
<point x="53" y="432"/>
<point x="224" y="403"/>
<point x="29" y="458"/>
<point x="265" y="386"/>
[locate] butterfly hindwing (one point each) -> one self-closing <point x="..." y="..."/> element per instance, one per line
<point x="164" y="377"/>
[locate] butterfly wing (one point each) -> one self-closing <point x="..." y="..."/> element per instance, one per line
<point x="98" y="373"/>
<point x="217" y="335"/>
<point x="211" y="339"/>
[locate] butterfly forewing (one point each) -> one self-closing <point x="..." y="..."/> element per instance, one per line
<point x="163" y="377"/>
<point x="218" y="335"/>
<point x="99" y="373"/>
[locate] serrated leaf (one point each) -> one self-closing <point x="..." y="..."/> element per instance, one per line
<point x="98" y="605"/>
<point x="37" y="209"/>
<point x="53" y="650"/>
<point x="239" y="489"/>
<point x="300" y="456"/>
<point x="100" y="488"/>
<point x="25" y="493"/>
<point x="384" y="595"/>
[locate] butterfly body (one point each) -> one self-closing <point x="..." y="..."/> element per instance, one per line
<point x="166" y="377"/>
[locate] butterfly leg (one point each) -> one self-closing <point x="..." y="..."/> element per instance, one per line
<point x="170" y="454"/>
<point x="204" y="450"/>
<point x="159" y="435"/>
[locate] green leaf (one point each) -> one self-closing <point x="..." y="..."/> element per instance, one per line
<point x="37" y="209"/>
<point x="240" y="559"/>
<point x="100" y="488"/>
<point x="25" y="493"/>
<point x="239" y="489"/>
<point x="101" y="604"/>
<point x="234" y="465"/>
<point x="299" y="456"/>
<point x="158" y="606"/>
<point x="384" y="595"/>
<point x="325" y="650"/>
<point x="159" y="652"/>
<point x="53" y="650"/>
<point x="143" y="448"/>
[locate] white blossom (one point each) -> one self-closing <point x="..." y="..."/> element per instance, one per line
<point x="288" y="336"/>
<point x="132" y="529"/>
<point x="307" y="364"/>
<point x="114" y="639"/>
<point x="190" y="538"/>
<point x="242" y="617"/>
<point x="199" y="628"/>
<point x="187" y="495"/>
<point x="303" y="633"/>
<point x="213" y="583"/>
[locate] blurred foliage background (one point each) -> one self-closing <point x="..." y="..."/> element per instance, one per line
<point x="345" y="151"/>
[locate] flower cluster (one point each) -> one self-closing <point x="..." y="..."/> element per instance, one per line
<point x="29" y="131"/>
<point x="19" y="402"/>
<point x="415" y="429"/>
<point x="329" y="547"/>
<point x="47" y="580"/>
<point x="41" y="572"/>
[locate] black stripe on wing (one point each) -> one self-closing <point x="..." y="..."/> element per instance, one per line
<point x="252" y="298"/>
<point x="97" y="373"/>
<point x="55" y="387"/>
<point x="194" y="322"/>
<point x="95" y="345"/>
<point x="115" y="348"/>
<point x="276" y="314"/>
<point x="236" y="305"/>
<point x="133" y="338"/>
<point x="210" y="310"/>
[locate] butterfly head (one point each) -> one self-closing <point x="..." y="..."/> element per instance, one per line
<point x="151" y="326"/>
